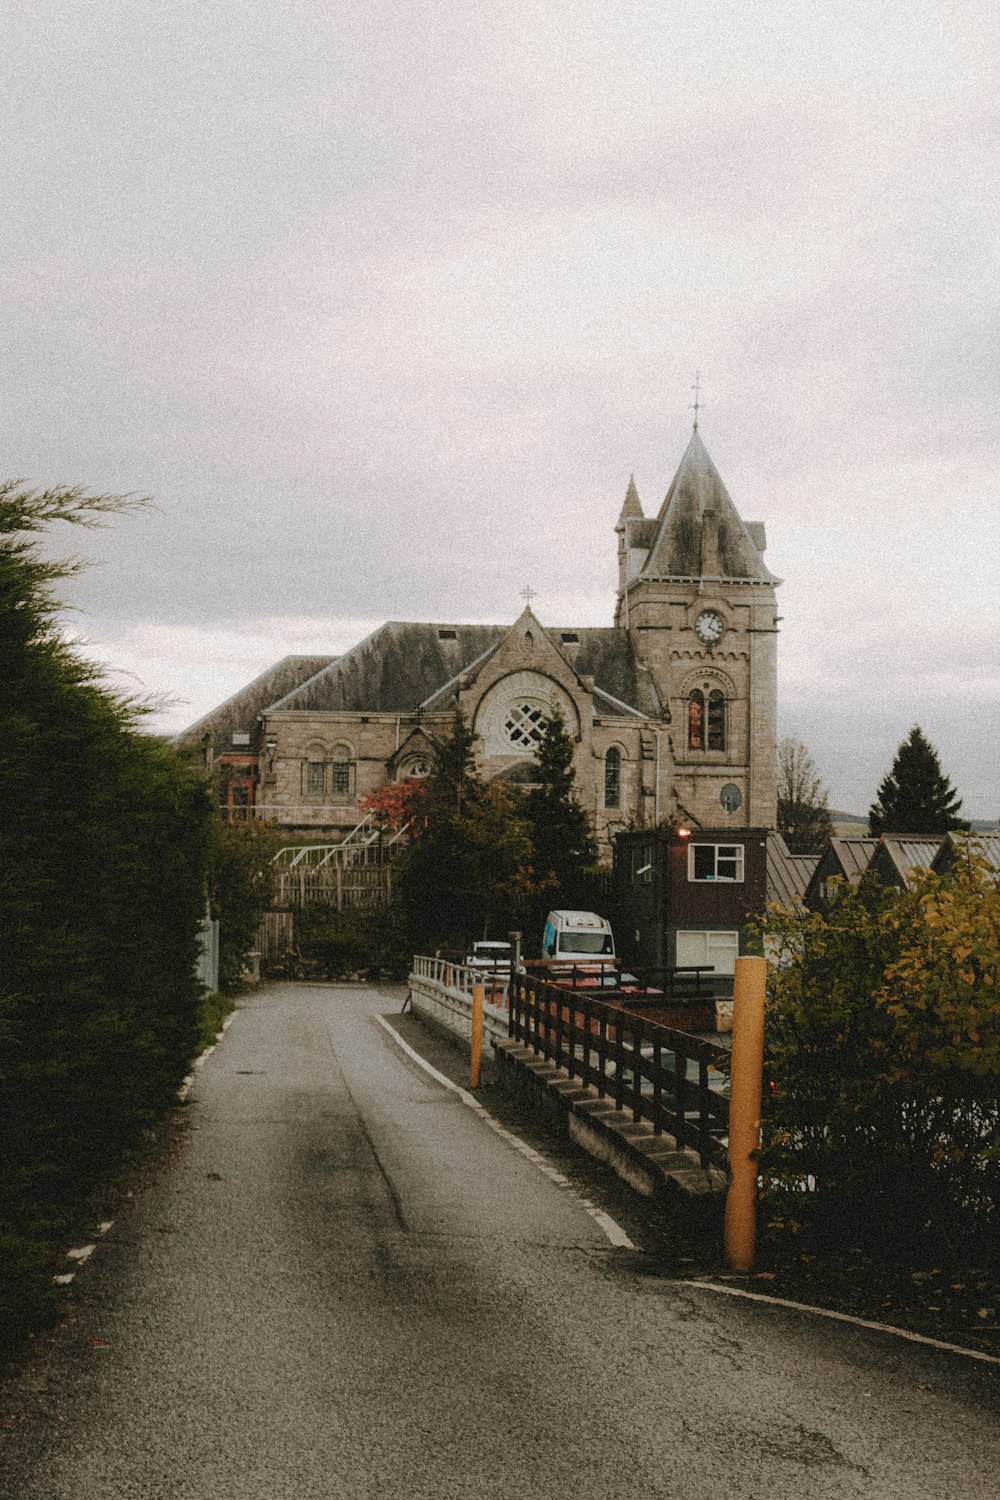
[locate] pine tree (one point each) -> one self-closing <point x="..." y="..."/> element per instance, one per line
<point x="565" y="851"/>
<point x="803" y="816"/>
<point x="463" y="874"/>
<point x="916" y="796"/>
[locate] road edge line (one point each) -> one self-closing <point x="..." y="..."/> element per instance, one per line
<point x="613" y="1230"/>
<point x="840" y="1317"/>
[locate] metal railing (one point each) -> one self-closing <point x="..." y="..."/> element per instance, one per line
<point x="458" y="976"/>
<point x="671" y="1078"/>
<point x="367" y="843"/>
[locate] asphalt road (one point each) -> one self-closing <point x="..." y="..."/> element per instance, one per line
<point x="348" y="1286"/>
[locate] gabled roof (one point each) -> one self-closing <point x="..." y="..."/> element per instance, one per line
<point x="907" y="854"/>
<point x="955" y="845"/>
<point x="676" y="551"/>
<point x="241" y="710"/>
<point x="405" y="665"/>
<point x="788" y="874"/>
<point x="853" y="855"/>
<point x="394" y="669"/>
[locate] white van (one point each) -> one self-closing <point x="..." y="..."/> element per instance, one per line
<point x="577" y="936"/>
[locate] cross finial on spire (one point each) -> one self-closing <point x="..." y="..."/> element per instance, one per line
<point x="527" y="594"/>
<point x="696" y="404"/>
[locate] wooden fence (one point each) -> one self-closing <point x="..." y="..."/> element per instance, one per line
<point x="346" y="887"/>
<point x="671" y="1078"/>
<point x="276" y="935"/>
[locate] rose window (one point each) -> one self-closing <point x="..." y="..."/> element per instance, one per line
<point x="524" y="725"/>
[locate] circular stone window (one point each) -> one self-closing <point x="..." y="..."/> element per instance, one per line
<point x="524" y="724"/>
<point x="730" y="797"/>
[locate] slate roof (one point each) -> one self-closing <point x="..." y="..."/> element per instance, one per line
<point x="404" y="665"/>
<point x="631" y="506"/>
<point x="788" y="874"/>
<point x="676" y="551"/>
<point x="241" y="710"/>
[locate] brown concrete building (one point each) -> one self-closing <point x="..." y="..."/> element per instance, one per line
<point x="672" y="708"/>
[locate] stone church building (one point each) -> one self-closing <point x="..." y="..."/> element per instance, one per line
<point x="672" y="708"/>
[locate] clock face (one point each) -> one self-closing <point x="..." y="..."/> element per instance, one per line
<point x="709" y="626"/>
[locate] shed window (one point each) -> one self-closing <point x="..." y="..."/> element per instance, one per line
<point x="613" y="778"/>
<point x="723" y="862"/>
<point x="719" y="950"/>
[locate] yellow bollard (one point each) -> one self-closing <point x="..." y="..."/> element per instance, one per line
<point x="476" y="1067"/>
<point x="744" y="1111"/>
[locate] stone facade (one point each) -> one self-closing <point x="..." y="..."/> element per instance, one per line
<point x="672" y="709"/>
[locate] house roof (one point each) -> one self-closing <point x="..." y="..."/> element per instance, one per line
<point x="908" y="854"/>
<point x="986" y="845"/>
<point x="676" y="550"/>
<point x="788" y="874"/>
<point x="854" y="856"/>
<point x="407" y="664"/>
<point x="241" y="710"/>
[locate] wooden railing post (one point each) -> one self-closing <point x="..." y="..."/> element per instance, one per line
<point x="744" y="1111"/>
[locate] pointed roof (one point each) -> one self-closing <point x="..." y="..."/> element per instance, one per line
<point x="676" y="551"/>
<point x="631" y="506"/>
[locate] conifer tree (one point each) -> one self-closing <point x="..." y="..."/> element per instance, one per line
<point x="565" y="851"/>
<point x="916" y="796"/>
<point x="462" y="876"/>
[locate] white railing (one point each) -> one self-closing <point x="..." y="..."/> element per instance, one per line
<point x="365" y="843"/>
<point x="442" y="992"/>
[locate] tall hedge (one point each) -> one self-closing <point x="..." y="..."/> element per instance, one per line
<point x="104" y="837"/>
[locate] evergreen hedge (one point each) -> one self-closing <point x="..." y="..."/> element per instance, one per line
<point x="104" y="840"/>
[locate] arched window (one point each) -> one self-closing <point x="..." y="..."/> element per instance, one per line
<point x="716" y="720"/>
<point x="340" y="772"/>
<point x="613" y="778"/>
<point x="707" y="720"/>
<point x="696" y="720"/>
<point x="314" y="772"/>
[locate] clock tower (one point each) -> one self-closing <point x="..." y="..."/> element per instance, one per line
<point x="698" y="604"/>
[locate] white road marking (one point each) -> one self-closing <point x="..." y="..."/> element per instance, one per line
<point x="82" y="1254"/>
<point x="827" y="1312"/>
<point x="605" y="1222"/>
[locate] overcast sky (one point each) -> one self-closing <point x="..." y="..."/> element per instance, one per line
<point x="383" y="302"/>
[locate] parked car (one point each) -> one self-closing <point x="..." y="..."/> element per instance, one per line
<point x="492" y="957"/>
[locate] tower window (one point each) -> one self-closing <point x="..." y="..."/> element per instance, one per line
<point x="707" y="720"/>
<point x="716" y="720"/>
<point x="613" y="778"/>
<point x="696" y="720"/>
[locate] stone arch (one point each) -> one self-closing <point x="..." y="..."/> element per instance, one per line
<point x="509" y="715"/>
